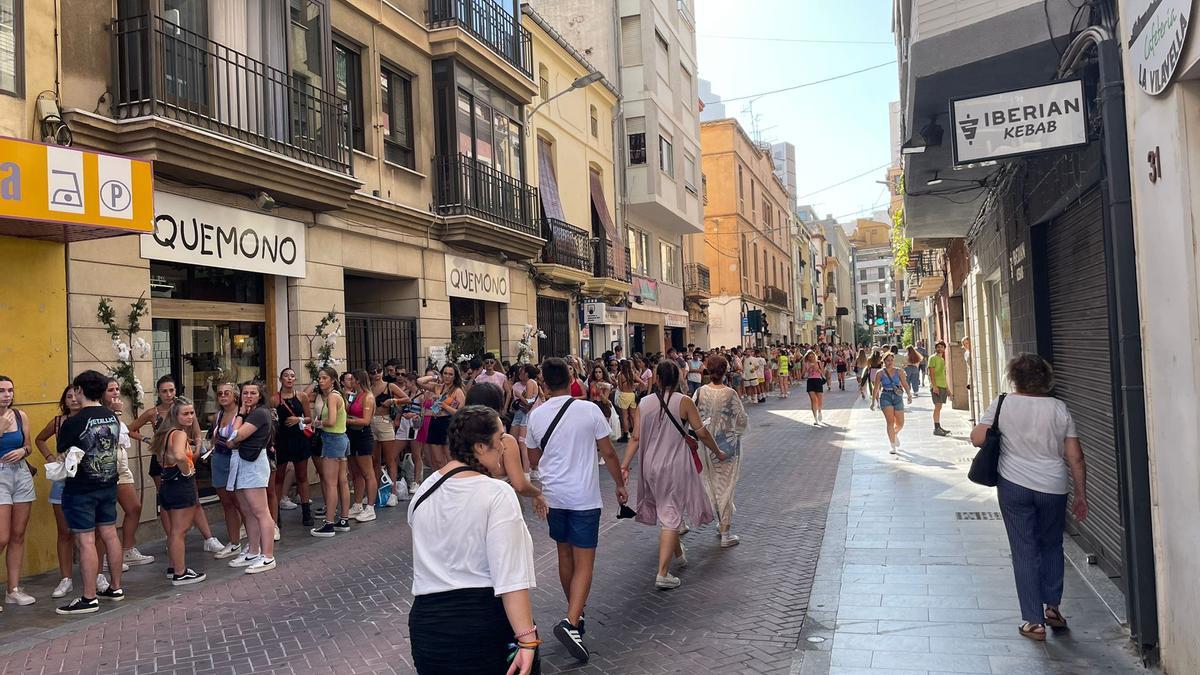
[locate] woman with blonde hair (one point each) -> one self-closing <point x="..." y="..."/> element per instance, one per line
<point x="889" y="383"/>
<point x="175" y="448"/>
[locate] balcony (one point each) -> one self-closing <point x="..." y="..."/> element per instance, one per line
<point x="203" y="111"/>
<point x="776" y="296"/>
<point x="499" y="46"/>
<point x="696" y="281"/>
<point x="569" y="254"/>
<point x="606" y="280"/>
<point x="926" y="272"/>
<point x="484" y="209"/>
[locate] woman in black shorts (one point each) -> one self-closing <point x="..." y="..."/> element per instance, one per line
<point x="360" y="408"/>
<point x="813" y="373"/>
<point x="175" y="449"/>
<point x="292" y="444"/>
<point x="448" y="390"/>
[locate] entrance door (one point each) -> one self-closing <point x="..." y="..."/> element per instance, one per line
<point x="553" y="317"/>
<point x="1077" y="295"/>
<point x="377" y="338"/>
<point x="637" y="335"/>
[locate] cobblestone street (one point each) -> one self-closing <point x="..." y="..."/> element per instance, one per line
<point x="341" y="605"/>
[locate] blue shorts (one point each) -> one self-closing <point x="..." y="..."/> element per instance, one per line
<point x="891" y="399"/>
<point x="56" y="491"/>
<point x="520" y="418"/>
<point x="334" y="445"/>
<point x="580" y="529"/>
<point x="85" y="511"/>
<point x="219" y="463"/>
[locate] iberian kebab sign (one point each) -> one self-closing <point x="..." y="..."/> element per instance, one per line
<point x="1019" y="122"/>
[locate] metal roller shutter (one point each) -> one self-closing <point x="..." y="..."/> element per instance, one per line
<point x="553" y="318"/>
<point x="1077" y="286"/>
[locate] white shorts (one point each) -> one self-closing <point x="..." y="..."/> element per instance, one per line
<point x="16" y="484"/>
<point x="407" y="429"/>
<point x="245" y="475"/>
<point x="124" y="475"/>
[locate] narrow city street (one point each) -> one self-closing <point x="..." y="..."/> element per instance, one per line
<point x="907" y="572"/>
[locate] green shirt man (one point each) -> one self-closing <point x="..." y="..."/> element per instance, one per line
<point x="937" y="371"/>
<point x="940" y="389"/>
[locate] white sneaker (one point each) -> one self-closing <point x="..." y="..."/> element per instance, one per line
<point x="101" y="583"/>
<point x="729" y="540"/>
<point x="287" y="504"/>
<point x="261" y="565"/>
<point x="666" y="583"/>
<point x="104" y="567"/>
<point x="276" y="533"/>
<point x="136" y="557"/>
<point x="681" y="559"/>
<point x="392" y="499"/>
<point x="366" y="514"/>
<point x="227" y="551"/>
<point x="18" y="597"/>
<point x="355" y="510"/>
<point x="213" y="545"/>
<point x="65" y="586"/>
<point x="245" y="560"/>
<point x="412" y="487"/>
<point x="893" y="449"/>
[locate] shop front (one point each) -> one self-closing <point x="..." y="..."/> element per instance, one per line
<point x="645" y="331"/>
<point x="480" y="296"/>
<point x="217" y="296"/>
<point x="676" y="326"/>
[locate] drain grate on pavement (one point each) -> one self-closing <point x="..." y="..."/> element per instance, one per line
<point x="978" y="515"/>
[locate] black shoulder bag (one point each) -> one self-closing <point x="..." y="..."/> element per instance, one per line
<point x="985" y="468"/>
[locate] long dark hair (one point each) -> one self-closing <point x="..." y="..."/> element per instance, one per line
<point x="458" y="381"/>
<point x="473" y="424"/>
<point x="62" y="400"/>
<point x="667" y="374"/>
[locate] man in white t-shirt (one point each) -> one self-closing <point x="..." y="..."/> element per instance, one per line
<point x="571" y="484"/>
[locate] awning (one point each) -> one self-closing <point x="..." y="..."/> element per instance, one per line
<point x="63" y="194"/>
<point x="548" y="183"/>
<point x="614" y="234"/>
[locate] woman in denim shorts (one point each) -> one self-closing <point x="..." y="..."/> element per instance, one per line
<point x="67" y="405"/>
<point x="889" y="383"/>
<point x="329" y="416"/>
<point x="16" y="489"/>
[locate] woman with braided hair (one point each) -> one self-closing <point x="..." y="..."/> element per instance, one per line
<point x="471" y="587"/>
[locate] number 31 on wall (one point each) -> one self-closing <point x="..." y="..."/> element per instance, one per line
<point x="1154" y="159"/>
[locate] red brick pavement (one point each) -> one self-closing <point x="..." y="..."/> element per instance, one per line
<point x="341" y="605"/>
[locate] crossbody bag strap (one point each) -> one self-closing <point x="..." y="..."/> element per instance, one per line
<point x="443" y="479"/>
<point x="673" y="420"/>
<point x="996" y="420"/>
<point x="554" y="423"/>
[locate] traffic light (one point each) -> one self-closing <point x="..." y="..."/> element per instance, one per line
<point x="754" y="321"/>
<point x="880" y="317"/>
<point x="870" y="315"/>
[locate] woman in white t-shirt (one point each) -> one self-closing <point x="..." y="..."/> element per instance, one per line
<point x="1038" y="443"/>
<point x="472" y="559"/>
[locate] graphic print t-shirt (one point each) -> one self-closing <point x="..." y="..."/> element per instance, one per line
<point x="97" y="432"/>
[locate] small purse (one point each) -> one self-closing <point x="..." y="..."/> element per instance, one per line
<point x="985" y="468"/>
<point x="689" y="437"/>
<point x="305" y="429"/>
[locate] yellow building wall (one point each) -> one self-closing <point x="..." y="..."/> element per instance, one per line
<point x="33" y="312"/>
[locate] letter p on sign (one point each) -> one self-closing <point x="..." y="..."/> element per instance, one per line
<point x="116" y="192"/>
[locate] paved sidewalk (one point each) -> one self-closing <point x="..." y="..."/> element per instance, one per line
<point x="341" y="605"/>
<point x="915" y="573"/>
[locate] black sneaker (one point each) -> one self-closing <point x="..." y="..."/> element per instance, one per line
<point x="342" y="525"/>
<point x="80" y="606"/>
<point x="582" y="625"/>
<point x="571" y="638"/>
<point x="324" y="531"/>
<point x="190" y="576"/>
<point x="318" y="510"/>
<point x="110" y="593"/>
<point x="938" y="431"/>
<point x="170" y="573"/>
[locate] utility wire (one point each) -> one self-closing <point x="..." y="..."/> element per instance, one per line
<point x="800" y="86"/>
<point x="798" y="40"/>
<point x="843" y="182"/>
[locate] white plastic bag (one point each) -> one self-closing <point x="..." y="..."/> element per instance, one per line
<point x="67" y="467"/>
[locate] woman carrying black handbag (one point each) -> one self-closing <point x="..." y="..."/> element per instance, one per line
<point x="1038" y="444"/>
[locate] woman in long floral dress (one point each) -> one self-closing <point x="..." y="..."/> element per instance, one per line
<point x="725" y="417"/>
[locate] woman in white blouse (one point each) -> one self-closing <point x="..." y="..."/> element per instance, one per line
<point x="472" y="560"/>
<point x="1039" y="447"/>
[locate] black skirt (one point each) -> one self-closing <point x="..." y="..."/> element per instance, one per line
<point x="438" y="426"/>
<point x="461" y="632"/>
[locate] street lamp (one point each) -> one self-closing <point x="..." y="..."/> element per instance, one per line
<point x="591" y="78"/>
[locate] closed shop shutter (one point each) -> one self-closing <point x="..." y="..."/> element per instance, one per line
<point x="371" y="338"/>
<point x="1077" y="280"/>
<point x="552" y="318"/>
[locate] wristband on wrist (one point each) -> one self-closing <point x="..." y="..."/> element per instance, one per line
<point x="531" y="631"/>
<point x="532" y="644"/>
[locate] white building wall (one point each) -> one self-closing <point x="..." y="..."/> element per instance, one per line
<point x="1167" y="232"/>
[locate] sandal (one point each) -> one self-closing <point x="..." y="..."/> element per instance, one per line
<point x="1054" y="618"/>
<point x="1033" y="631"/>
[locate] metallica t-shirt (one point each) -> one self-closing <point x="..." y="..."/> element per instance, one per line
<point x="96" y="431"/>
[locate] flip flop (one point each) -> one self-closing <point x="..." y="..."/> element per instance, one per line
<point x="1054" y="618"/>
<point x="1033" y="631"/>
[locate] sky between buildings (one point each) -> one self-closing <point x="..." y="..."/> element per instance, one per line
<point x="840" y="128"/>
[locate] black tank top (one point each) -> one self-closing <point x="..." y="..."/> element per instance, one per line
<point x="289" y="407"/>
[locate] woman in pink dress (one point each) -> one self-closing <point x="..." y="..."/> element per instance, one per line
<point x="669" y="486"/>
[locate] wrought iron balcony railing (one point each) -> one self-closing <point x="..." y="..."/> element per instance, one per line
<point x="775" y="296"/>
<point x="567" y="245"/>
<point x="696" y="278"/>
<point x="605" y="267"/>
<point x="464" y="186"/>
<point x="925" y="263"/>
<point x="489" y="22"/>
<point x="165" y="70"/>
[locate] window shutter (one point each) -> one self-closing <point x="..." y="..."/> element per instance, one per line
<point x="631" y="40"/>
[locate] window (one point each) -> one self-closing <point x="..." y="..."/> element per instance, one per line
<point x="753" y="199"/>
<point x="745" y="254"/>
<point x="594" y="118"/>
<point x="862" y="275"/>
<point x="689" y="172"/>
<point x="395" y="93"/>
<point x="879" y="272"/>
<point x="544" y="82"/>
<point x="347" y="77"/>
<point x="668" y="255"/>
<point x="639" y="252"/>
<point x="882" y="288"/>
<point x="12" y="67"/>
<point x="486" y="125"/>
<point x="741" y="188"/>
<point x="756" y="277"/>
<point x="666" y="156"/>
<point x="685" y="87"/>
<point x="631" y="40"/>
<point x="636" y="129"/>
<point x="664" y="49"/>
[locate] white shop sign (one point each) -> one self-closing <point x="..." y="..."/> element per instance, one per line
<point x="1019" y="122"/>
<point x="675" y="320"/>
<point x="1156" y="41"/>
<point x="467" y="278"/>
<point x="593" y="312"/>
<point x="197" y="232"/>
